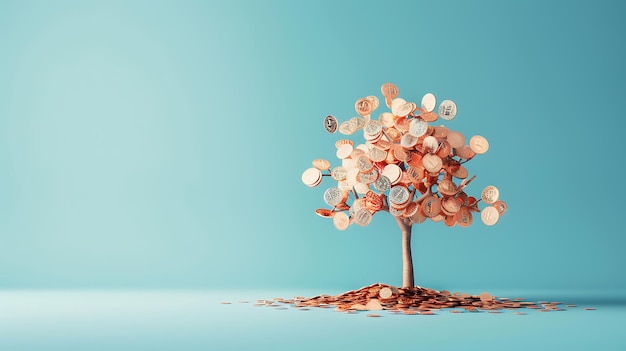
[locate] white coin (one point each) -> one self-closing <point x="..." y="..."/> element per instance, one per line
<point x="408" y="141"/>
<point x="429" y="102"/>
<point x="430" y="144"/>
<point x="397" y="102"/>
<point x="341" y="220"/>
<point x="418" y="127"/>
<point x="311" y="177"/>
<point x="386" y="119"/>
<point x="489" y="215"/>
<point x="361" y="188"/>
<point x="447" y="109"/>
<point x="490" y="194"/>
<point x="393" y="172"/>
<point x="344" y="151"/>
<point x="339" y="173"/>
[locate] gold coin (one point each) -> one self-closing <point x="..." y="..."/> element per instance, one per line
<point x="489" y="215"/>
<point x="479" y="144"/>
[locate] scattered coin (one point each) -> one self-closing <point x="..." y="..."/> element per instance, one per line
<point x="589" y="309"/>
<point x="374" y="315"/>
<point x="225" y="303"/>
<point x="330" y="124"/>
<point x="447" y="109"/>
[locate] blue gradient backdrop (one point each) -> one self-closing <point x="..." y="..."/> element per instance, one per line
<point x="159" y="144"/>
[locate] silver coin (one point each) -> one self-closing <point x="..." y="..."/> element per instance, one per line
<point x="447" y="109"/>
<point x="396" y="212"/>
<point x="382" y="184"/>
<point x="408" y="141"/>
<point x="359" y="122"/>
<point x="333" y="196"/>
<point x="398" y="195"/>
<point x="331" y="124"/>
<point x="418" y="127"/>
<point x="373" y="127"/>
<point x="362" y="217"/>
<point x="377" y="155"/>
<point x="339" y="173"/>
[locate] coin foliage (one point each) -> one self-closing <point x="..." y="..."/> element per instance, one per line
<point x="403" y="164"/>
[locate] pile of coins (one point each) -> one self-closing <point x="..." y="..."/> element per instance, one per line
<point x="414" y="300"/>
<point x="405" y="166"/>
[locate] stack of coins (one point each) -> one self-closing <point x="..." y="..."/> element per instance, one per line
<point x="404" y="166"/>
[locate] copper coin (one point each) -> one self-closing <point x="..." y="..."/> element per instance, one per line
<point x="456" y="139"/>
<point x="373" y="101"/>
<point x="340" y="142"/>
<point x="444" y="149"/>
<point x="432" y="163"/>
<point x="440" y="132"/>
<point x="460" y="172"/>
<point x="429" y="116"/>
<point x="363" y="107"/>
<point x="449" y="221"/>
<point x="321" y="164"/>
<point x="400" y="153"/>
<point x="322" y="212"/>
<point x="402" y="124"/>
<point x="464" y="217"/>
<point x="501" y="206"/>
<point x="464" y="152"/>
<point x="451" y="204"/>
<point x="447" y="187"/>
<point x="479" y="144"/>
<point x="431" y="206"/>
<point x="489" y="215"/>
<point x="389" y="90"/>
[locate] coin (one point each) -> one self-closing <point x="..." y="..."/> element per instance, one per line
<point x="464" y="217"/>
<point x="429" y="102"/>
<point x="372" y="127"/>
<point x="418" y="127"/>
<point x="369" y="176"/>
<point x="429" y="116"/>
<point x="386" y="119"/>
<point x="340" y="142"/>
<point x="322" y="212"/>
<point x="362" y="217"/>
<point x="377" y="155"/>
<point x="392" y="172"/>
<point x="430" y="144"/>
<point x="382" y="184"/>
<point x="402" y="124"/>
<point x="334" y="196"/>
<point x="489" y="215"/>
<point x="321" y="164"/>
<point x="312" y="177"/>
<point x="464" y="152"/>
<point x="361" y="188"/>
<point x="341" y="220"/>
<point x="431" y="206"/>
<point x="363" y="163"/>
<point x="501" y="206"/>
<point x="479" y="144"/>
<point x="344" y="151"/>
<point x="339" y="173"/>
<point x="359" y="122"/>
<point x="373" y="101"/>
<point x="490" y="194"/>
<point x="330" y="124"/>
<point x="385" y="293"/>
<point x="456" y="139"/>
<point x="398" y="195"/>
<point x="447" y="109"/>
<point x="390" y="90"/>
<point x="363" y="106"/>
<point x="432" y="163"/>
<point x="347" y="128"/>
<point x="402" y="110"/>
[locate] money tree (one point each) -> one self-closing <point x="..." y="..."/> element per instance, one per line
<point x="404" y="166"/>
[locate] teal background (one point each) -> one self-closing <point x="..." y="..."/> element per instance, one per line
<point x="151" y="154"/>
<point x="159" y="144"/>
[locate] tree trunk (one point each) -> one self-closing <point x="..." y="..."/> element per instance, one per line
<point x="407" y="259"/>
